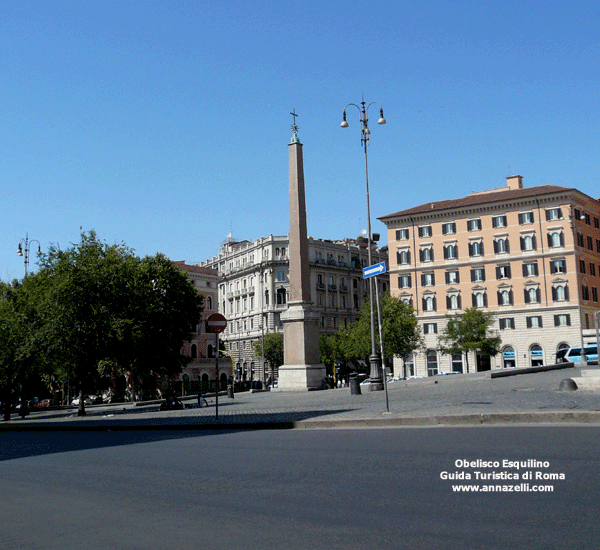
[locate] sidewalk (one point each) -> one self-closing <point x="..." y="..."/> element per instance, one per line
<point x="469" y="399"/>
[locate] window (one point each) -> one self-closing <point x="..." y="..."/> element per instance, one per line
<point x="528" y="242"/>
<point x="592" y="269"/>
<point x="474" y="225"/>
<point x="479" y="299"/>
<point x="532" y="295"/>
<point x="499" y="221"/>
<point x="430" y="328"/>
<point x="501" y="246"/>
<point x="428" y="279"/>
<point x="404" y="281"/>
<point x="508" y="357"/>
<point x="426" y="254"/>
<point x="425" y="231"/>
<point x="554" y="214"/>
<point x="534" y="322"/>
<point x="451" y="252"/>
<point x="453" y="301"/>
<point x="281" y="275"/>
<point x="477" y="274"/>
<point x="526" y="218"/>
<point x="476" y="248"/>
<point x="537" y="356"/>
<point x="588" y="219"/>
<point x="562" y="320"/>
<point x="582" y="266"/>
<point x="556" y="239"/>
<point x="457" y="362"/>
<point x="208" y="302"/>
<point x="429" y="303"/>
<point x="560" y="293"/>
<point x="590" y="243"/>
<point x="505" y="297"/>
<point x="558" y="266"/>
<point x="507" y="323"/>
<point x="503" y="272"/>
<point x="585" y="292"/>
<point x="402" y="234"/>
<point x="449" y="228"/>
<point x="530" y="269"/>
<point x="452" y="277"/>
<point x="403" y="257"/>
<point x="432" y="367"/>
<point x="580" y="240"/>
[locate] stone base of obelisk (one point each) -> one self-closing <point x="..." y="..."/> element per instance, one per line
<point x="302" y="370"/>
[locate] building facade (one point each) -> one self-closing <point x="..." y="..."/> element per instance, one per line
<point x="254" y="291"/>
<point x="529" y="255"/>
<point x="200" y="372"/>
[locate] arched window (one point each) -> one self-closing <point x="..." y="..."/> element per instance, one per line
<point x="555" y="239"/>
<point x="479" y="301"/>
<point x="209" y="350"/>
<point x="537" y="355"/>
<point x="281" y="296"/>
<point x="504" y="298"/>
<point x="208" y="302"/>
<point x="194" y="351"/>
<point x="508" y="357"/>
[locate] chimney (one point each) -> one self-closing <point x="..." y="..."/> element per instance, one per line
<point x="514" y="182"/>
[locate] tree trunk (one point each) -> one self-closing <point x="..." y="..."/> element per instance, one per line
<point x="467" y="361"/>
<point x="6" y="399"/>
<point x="81" y="409"/>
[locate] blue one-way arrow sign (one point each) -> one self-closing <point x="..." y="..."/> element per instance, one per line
<point x="374" y="270"/>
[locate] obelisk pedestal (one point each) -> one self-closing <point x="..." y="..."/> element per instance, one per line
<point x="302" y="369"/>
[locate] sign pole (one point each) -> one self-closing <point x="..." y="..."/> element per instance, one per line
<point x="217" y="376"/>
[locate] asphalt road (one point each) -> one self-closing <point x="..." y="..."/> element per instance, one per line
<point x="297" y="489"/>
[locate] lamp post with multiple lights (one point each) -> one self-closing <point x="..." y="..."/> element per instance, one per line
<point x="23" y="250"/>
<point x="374" y="359"/>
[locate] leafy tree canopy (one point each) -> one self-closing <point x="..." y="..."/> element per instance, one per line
<point x="101" y="308"/>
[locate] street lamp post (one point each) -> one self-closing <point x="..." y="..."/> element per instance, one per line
<point x="374" y="359"/>
<point x="23" y="249"/>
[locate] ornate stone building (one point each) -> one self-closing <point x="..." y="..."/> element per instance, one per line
<point x="529" y="255"/>
<point x="254" y="290"/>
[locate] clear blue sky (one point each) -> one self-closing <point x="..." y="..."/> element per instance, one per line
<point x="165" y="124"/>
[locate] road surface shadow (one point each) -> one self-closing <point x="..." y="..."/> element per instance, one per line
<point x="35" y="439"/>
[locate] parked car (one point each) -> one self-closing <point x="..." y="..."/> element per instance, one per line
<point x="573" y="355"/>
<point x="44" y="403"/>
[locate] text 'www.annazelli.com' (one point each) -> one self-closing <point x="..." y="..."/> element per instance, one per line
<point x="520" y="488"/>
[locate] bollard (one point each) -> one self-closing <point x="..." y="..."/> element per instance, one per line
<point x="230" y="391"/>
<point x="568" y="384"/>
<point x="354" y="384"/>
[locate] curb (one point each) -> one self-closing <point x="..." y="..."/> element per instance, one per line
<point x="583" y="417"/>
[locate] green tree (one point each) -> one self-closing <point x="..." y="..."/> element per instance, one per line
<point x="103" y="306"/>
<point x="273" y="352"/>
<point x="468" y="331"/>
<point x="401" y="332"/>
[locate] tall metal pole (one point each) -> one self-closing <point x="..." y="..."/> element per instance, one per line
<point x="579" y="299"/>
<point x="374" y="359"/>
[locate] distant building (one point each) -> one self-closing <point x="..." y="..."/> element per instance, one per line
<point x="201" y="349"/>
<point x="529" y="255"/>
<point x="254" y="289"/>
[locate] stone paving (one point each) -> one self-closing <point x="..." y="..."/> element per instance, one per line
<point x="441" y="400"/>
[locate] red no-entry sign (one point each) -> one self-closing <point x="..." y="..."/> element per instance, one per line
<point x="216" y="323"/>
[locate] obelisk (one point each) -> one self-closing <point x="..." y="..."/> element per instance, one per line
<point x="302" y="369"/>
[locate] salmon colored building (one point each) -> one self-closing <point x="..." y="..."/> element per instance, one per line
<point x="529" y="255"/>
<point x="200" y="372"/>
